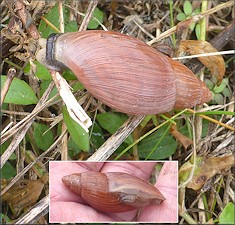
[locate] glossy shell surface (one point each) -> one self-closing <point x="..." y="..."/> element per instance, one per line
<point x="128" y="75"/>
<point x="113" y="192"/>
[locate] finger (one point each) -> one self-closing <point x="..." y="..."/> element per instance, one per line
<point x="71" y="212"/>
<point x="142" y="170"/>
<point x="139" y="169"/>
<point x="167" y="183"/>
<point x="91" y="166"/>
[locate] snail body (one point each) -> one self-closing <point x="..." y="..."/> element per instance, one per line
<point x="113" y="191"/>
<point x="125" y="73"/>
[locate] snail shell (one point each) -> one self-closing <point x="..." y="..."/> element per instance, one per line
<point x="113" y="192"/>
<point x="125" y="73"/>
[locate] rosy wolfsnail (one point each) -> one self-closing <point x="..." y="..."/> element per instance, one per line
<point x="113" y="191"/>
<point x="124" y="72"/>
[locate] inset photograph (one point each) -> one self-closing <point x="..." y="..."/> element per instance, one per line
<point x="113" y="191"/>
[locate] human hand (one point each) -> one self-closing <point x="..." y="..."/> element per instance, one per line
<point x="66" y="206"/>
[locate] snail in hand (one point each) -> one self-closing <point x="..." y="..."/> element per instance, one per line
<point x="113" y="191"/>
<point x="125" y="73"/>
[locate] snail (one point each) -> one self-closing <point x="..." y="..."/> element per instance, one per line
<point x="113" y="191"/>
<point x="125" y="73"/>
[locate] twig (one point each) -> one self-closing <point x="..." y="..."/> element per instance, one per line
<point x="61" y="15"/>
<point x="6" y="112"/>
<point x="5" y="136"/>
<point x="10" y="76"/>
<point x="29" y="166"/>
<point x="198" y="120"/>
<point x="50" y="24"/>
<point x="142" y="29"/>
<point x="87" y="18"/>
<point x="228" y="52"/>
<point x="40" y="209"/>
<point x="64" y="143"/>
<point x="108" y="148"/>
<point x="190" y="176"/>
<point x="82" y="14"/>
<point x="213" y="120"/>
<point x="15" y="142"/>
<point x="74" y="108"/>
<point x="203" y="22"/>
<point x="186" y="216"/>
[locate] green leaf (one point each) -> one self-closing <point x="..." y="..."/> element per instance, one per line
<point x="99" y="15"/>
<point x="97" y="136"/>
<point x="78" y="134"/>
<point x="69" y="75"/>
<point x="77" y="86"/>
<point x="112" y="121"/>
<point x="198" y="31"/>
<point x="5" y="219"/>
<point x="43" y="136"/>
<point x="186" y="130"/>
<point x="72" y="26"/>
<point x="73" y="148"/>
<point x="19" y="92"/>
<point x="192" y="26"/>
<point x="196" y="11"/>
<point x="42" y="72"/>
<point x="221" y="87"/>
<point x="4" y="147"/>
<point x="7" y="171"/>
<point x="27" y="68"/>
<point x="4" y="107"/>
<point x="227" y="215"/>
<point x="166" y="147"/>
<point x="205" y="128"/>
<point x="227" y="92"/>
<point x="219" y="99"/>
<point x="209" y="84"/>
<point x="53" y="17"/>
<point x="181" y="17"/>
<point x="188" y="9"/>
